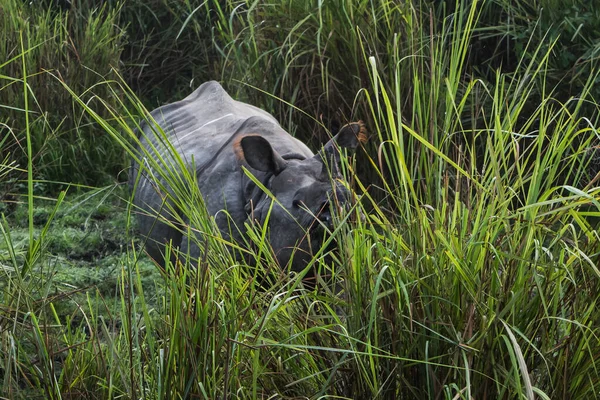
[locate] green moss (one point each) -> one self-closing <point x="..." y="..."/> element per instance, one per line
<point x="85" y="254"/>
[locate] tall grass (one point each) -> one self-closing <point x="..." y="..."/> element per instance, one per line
<point x="166" y="35"/>
<point x="572" y="24"/>
<point x="81" y="50"/>
<point x="473" y="273"/>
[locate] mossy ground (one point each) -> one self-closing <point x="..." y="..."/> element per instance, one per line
<point x="86" y="249"/>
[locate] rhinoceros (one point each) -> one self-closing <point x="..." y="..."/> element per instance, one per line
<point x="217" y="136"/>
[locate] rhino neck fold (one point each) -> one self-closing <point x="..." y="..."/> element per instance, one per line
<point x="293" y="156"/>
<point x="254" y="195"/>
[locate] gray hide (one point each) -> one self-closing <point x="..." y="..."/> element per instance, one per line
<point x="217" y="136"/>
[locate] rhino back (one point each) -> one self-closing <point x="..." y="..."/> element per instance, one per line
<point x="201" y="124"/>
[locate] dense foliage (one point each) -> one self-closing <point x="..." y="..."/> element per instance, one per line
<point x="469" y="269"/>
<point x="46" y="46"/>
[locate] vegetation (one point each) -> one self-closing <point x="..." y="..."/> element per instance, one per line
<point x="472" y="273"/>
<point x="81" y="51"/>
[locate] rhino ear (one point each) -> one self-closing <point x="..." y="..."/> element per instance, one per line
<point x="348" y="137"/>
<point x="259" y="154"/>
<point x="351" y="135"/>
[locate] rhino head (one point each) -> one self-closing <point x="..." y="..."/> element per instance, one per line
<point x="305" y="193"/>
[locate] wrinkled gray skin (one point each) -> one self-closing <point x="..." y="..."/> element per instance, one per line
<point x="221" y="135"/>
